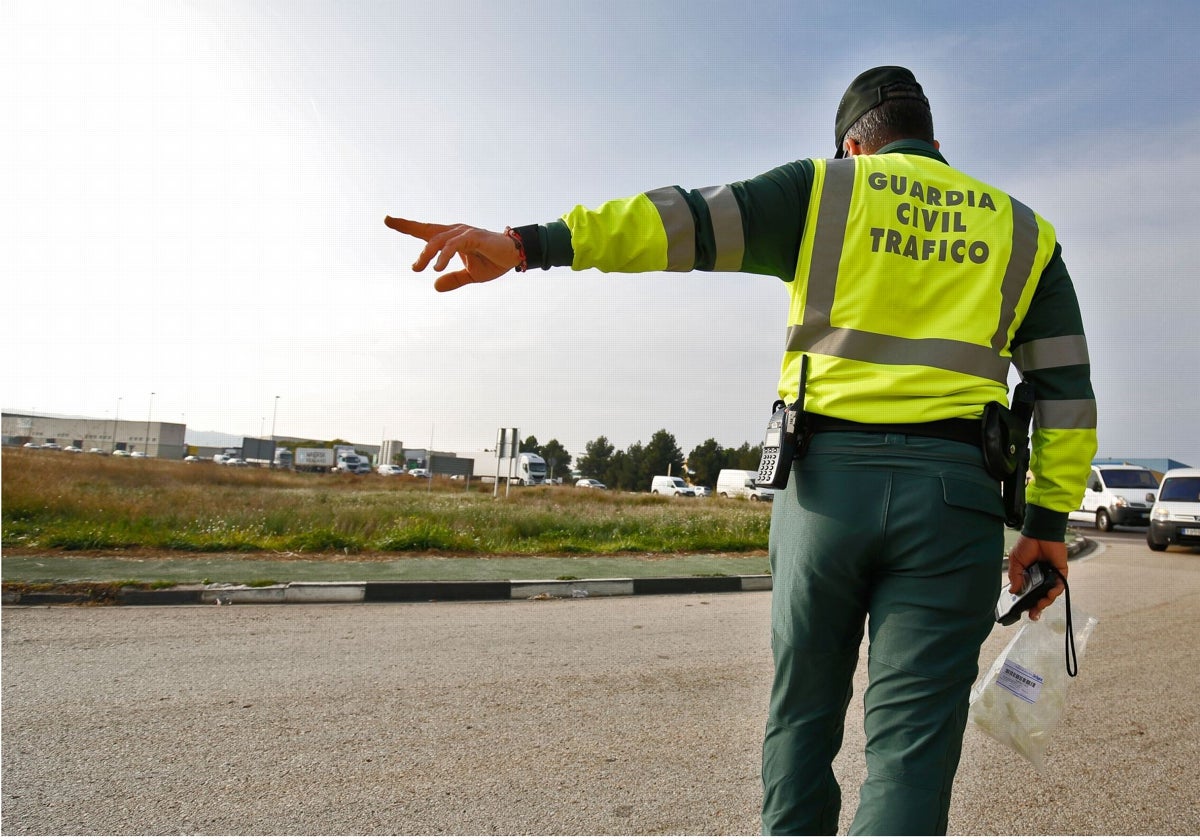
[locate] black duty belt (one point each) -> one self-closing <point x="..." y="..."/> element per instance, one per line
<point x="959" y="429"/>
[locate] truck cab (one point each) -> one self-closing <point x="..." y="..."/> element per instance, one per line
<point x="352" y="462"/>
<point x="1118" y="494"/>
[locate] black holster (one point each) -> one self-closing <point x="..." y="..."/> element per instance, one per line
<point x="1006" y="449"/>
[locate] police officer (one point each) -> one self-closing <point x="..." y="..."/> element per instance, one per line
<point x="913" y="287"/>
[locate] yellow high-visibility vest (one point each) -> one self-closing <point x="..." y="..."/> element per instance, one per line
<point x="911" y="282"/>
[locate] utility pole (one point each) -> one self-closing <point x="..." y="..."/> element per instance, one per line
<point x="116" y="420"/>
<point x="149" y="412"/>
<point x="274" y="412"/>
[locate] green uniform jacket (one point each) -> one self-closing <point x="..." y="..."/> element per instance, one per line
<point x="756" y="227"/>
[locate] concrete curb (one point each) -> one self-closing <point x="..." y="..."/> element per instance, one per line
<point x="406" y="591"/>
<point x="402" y="591"/>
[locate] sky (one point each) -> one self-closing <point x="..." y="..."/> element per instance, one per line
<point x="192" y="198"/>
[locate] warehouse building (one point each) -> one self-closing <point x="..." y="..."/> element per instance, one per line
<point x="157" y="440"/>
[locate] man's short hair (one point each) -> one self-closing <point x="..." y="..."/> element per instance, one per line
<point x="895" y="119"/>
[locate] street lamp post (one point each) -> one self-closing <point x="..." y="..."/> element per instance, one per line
<point x="274" y="413"/>
<point x="149" y="412"/>
<point x="116" y="420"/>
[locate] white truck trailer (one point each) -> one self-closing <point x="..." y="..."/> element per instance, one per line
<point x="527" y="468"/>
<point x="312" y="459"/>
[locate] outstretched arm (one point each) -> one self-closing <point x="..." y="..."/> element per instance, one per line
<point x="486" y="254"/>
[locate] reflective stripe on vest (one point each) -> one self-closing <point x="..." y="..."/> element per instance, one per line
<point x="968" y="253"/>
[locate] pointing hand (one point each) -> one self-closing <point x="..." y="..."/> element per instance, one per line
<point x="485" y="254"/>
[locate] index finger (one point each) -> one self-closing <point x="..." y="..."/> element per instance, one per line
<point x="421" y="230"/>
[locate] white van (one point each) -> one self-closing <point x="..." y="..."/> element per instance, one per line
<point x="1176" y="516"/>
<point x="1118" y="494"/>
<point x="670" y="485"/>
<point x="734" y="484"/>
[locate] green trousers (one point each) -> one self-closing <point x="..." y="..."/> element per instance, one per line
<point x="904" y="534"/>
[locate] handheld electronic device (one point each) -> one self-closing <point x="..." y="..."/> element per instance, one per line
<point x="778" y="449"/>
<point x="1040" y="578"/>
<point x="781" y="443"/>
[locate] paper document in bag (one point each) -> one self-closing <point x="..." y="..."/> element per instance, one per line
<point x="1020" y="700"/>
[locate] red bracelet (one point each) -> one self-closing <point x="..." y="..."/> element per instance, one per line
<point x="516" y="237"/>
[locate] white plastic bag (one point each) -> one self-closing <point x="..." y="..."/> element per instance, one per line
<point x="1020" y="700"/>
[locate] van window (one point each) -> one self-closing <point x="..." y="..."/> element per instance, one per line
<point x="1183" y="489"/>
<point x="1132" y="479"/>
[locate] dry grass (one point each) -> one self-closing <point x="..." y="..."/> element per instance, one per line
<point x="74" y="502"/>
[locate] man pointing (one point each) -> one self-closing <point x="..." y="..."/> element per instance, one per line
<point x="913" y="289"/>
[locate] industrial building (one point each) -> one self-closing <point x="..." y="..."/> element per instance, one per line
<point x="155" y="439"/>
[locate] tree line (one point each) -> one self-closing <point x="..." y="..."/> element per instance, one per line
<point x="634" y="467"/>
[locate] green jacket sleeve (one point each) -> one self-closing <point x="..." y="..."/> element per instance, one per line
<point x="1050" y="350"/>
<point x="750" y="226"/>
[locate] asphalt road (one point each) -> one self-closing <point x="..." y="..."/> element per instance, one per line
<point x="589" y="716"/>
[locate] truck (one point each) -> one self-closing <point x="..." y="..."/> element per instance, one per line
<point x="528" y="468"/>
<point x="312" y="459"/>
<point x="283" y="460"/>
<point x="347" y="460"/>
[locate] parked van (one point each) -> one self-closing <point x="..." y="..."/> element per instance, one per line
<point x="670" y="485"/>
<point x="735" y="484"/>
<point x="1118" y="494"/>
<point x="1176" y="516"/>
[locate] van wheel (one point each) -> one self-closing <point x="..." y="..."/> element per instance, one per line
<point x="1154" y="546"/>
<point x="753" y="498"/>
<point x="1103" y="521"/>
<point x="653" y="492"/>
<point x="724" y="495"/>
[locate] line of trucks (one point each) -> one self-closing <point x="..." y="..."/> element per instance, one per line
<point x="526" y="469"/>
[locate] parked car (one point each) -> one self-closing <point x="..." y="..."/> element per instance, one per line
<point x="32" y="445"/>
<point x="192" y="459"/>
<point x="1117" y="494"/>
<point x="390" y="469"/>
<point x="701" y="490"/>
<point x="1176" y="516"/>
<point x="72" y="449"/>
<point x="236" y="462"/>
<point x="137" y="454"/>
<point x="590" y="482"/>
<point x="51" y="445"/>
<point x="121" y="453"/>
<point x="419" y="473"/>
<point x="96" y="450"/>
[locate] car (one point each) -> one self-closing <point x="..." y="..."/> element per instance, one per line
<point x="1176" y="516"/>
<point x="1117" y="494"/>
<point x="71" y="449"/>
<point x="236" y="462"/>
<point x="137" y="454"/>
<point x="701" y="490"/>
<point x="121" y="453"/>
<point x="32" y="445"/>
<point x="96" y="450"/>
<point x="192" y="459"/>
<point x="390" y="469"/>
<point x="51" y="445"/>
<point x="419" y="473"/>
<point x="590" y="482"/>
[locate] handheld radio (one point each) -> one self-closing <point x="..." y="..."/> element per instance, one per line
<point x="781" y="443"/>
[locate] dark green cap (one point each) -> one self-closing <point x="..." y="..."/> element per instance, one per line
<point x="870" y="90"/>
